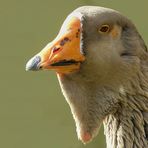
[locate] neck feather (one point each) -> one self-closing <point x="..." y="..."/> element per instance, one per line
<point x="128" y="126"/>
<point x="123" y="110"/>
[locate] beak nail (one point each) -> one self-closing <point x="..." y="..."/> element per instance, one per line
<point x="33" y="64"/>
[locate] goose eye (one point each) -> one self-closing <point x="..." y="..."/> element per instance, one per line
<point x="104" y="29"/>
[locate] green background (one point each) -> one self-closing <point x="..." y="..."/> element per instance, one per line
<point x="33" y="112"/>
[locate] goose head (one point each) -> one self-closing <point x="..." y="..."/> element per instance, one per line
<point x="95" y="54"/>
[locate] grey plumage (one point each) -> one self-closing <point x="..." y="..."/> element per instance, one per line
<point x="111" y="85"/>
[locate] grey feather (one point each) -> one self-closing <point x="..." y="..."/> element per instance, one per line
<point x="112" y="84"/>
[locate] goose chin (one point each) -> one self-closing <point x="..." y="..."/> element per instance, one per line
<point x="87" y="134"/>
<point x="86" y="127"/>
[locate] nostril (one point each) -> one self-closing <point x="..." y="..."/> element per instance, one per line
<point x="55" y="49"/>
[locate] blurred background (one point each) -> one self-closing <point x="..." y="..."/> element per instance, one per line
<point x="33" y="112"/>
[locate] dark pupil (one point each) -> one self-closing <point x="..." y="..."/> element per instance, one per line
<point x="104" y="29"/>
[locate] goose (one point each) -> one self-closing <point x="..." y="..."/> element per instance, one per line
<point x="101" y="62"/>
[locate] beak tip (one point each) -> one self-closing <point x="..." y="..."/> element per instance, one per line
<point x="27" y="67"/>
<point x="33" y="64"/>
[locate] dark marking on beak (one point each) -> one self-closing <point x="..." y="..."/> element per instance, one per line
<point x="77" y="34"/>
<point x="66" y="39"/>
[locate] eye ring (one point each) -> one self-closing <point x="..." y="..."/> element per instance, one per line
<point x="104" y="28"/>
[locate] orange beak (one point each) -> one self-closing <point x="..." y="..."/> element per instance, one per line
<point x="63" y="54"/>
